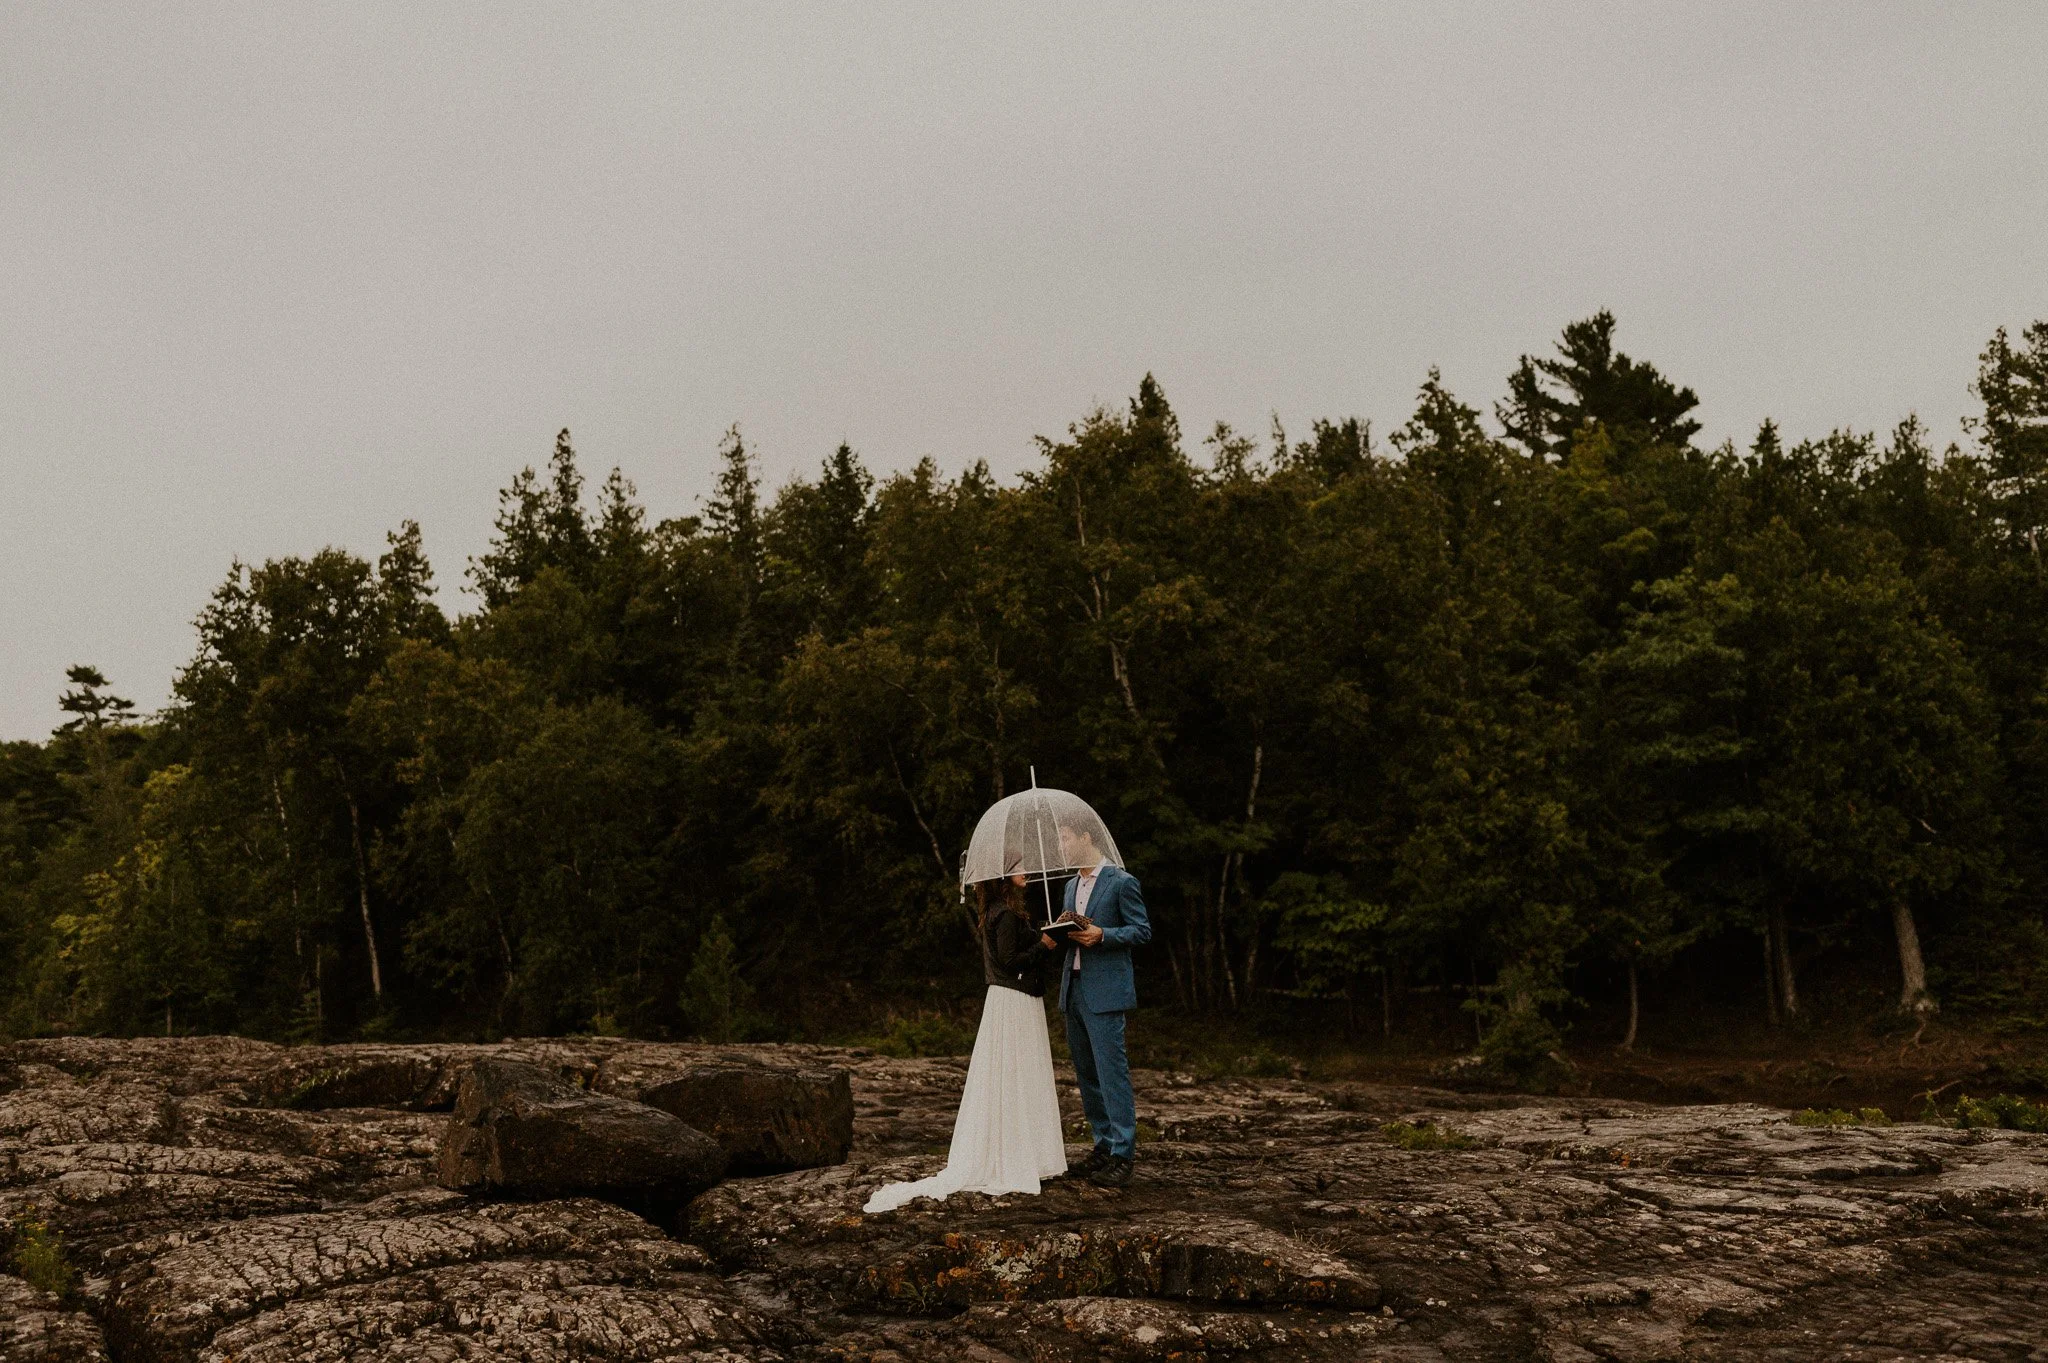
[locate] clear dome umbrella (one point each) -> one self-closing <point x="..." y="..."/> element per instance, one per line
<point x="1023" y="833"/>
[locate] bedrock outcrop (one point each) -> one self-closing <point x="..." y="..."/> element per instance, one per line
<point x="225" y="1199"/>
<point x="520" y="1130"/>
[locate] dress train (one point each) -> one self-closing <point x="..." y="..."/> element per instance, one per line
<point x="1007" y="1136"/>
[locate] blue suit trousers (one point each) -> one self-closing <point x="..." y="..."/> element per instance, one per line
<point x="1096" y="1041"/>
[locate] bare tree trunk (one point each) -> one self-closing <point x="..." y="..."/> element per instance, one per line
<point x="1478" y="1022"/>
<point x="1788" y="982"/>
<point x="1251" y="806"/>
<point x="995" y="692"/>
<point x="291" y="870"/>
<point x="355" y="825"/>
<point x="1119" y="660"/>
<point x="1386" y="1007"/>
<point x="1913" y="995"/>
<point x="1223" y="942"/>
<point x="1628" y="1043"/>
<point x="1770" y="975"/>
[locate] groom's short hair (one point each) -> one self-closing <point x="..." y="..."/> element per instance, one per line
<point x="1079" y="825"/>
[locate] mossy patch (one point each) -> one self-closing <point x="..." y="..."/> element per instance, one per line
<point x="1834" y="1116"/>
<point x="1428" y="1136"/>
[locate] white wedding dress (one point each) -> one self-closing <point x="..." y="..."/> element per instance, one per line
<point x="1007" y="1136"/>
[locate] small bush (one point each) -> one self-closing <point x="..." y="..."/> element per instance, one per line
<point x="309" y="1089"/>
<point x="1427" y="1136"/>
<point x="1263" y="1062"/>
<point x="2005" y="1111"/>
<point x="926" y="1034"/>
<point x="38" y="1255"/>
<point x="717" y="1000"/>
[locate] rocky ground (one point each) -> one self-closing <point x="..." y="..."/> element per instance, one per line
<point x="224" y="1199"/>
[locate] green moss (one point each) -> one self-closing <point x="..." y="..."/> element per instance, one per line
<point x="1427" y="1136"/>
<point x="1834" y="1116"/>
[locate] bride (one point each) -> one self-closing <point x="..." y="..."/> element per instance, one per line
<point x="1007" y="1136"/>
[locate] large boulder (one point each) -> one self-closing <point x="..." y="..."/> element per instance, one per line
<point x="768" y="1119"/>
<point x="522" y="1131"/>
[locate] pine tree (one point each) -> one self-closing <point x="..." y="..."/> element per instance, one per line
<point x="715" y="994"/>
<point x="1590" y="381"/>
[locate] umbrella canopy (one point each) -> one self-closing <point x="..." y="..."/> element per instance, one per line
<point x="1021" y="832"/>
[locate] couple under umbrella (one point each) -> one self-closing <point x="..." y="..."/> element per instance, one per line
<point x="1006" y="1137"/>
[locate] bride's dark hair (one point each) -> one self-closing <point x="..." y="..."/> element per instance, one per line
<point x="1008" y="895"/>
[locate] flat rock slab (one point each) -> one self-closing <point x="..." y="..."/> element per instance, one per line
<point x="521" y="1131"/>
<point x="768" y="1119"/>
<point x="36" y="1328"/>
<point x="212" y="1215"/>
<point x="424" y="1275"/>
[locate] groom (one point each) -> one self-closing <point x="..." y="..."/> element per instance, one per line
<point x="1096" y="989"/>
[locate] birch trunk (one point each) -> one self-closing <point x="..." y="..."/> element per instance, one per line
<point x="1628" y="1043"/>
<point x="1770" y="975"/>
<point x="355" y="826"/>
<point x="1913" y="995"/>
<point x="1788" y="983"/>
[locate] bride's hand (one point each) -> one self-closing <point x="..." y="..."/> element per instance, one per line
<point x="1047" y="942"/>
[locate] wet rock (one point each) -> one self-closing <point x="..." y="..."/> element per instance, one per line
<point x="769" y="1119"/>
<point x="521" y="1131"/>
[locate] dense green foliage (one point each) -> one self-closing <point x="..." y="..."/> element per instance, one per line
<point x="1515" y="719"/>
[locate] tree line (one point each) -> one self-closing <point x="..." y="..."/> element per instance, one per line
<point x="1562" y="704"/>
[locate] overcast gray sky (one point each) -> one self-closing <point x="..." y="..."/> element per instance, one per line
<point x="280" y="276"/>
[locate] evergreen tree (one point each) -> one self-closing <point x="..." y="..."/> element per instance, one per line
<point x="1590" y="381"/>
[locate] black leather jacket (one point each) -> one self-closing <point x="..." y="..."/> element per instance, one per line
<point x="1013" y="957"/>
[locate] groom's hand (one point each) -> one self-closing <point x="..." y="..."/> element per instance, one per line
<point x="1087" y="936"/>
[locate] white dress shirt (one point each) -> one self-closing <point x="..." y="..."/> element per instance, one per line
<point x="1084" y="885"/>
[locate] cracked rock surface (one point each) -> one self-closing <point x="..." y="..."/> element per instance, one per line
<point x="225" y="1199"/>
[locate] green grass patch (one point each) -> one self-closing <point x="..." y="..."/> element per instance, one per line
<point x="1427" y="1136"/>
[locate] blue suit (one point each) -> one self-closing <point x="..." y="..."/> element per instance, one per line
<point x="1095" y="998"/>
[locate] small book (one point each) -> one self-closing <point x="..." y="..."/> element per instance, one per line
<point x="1064" y="928"/>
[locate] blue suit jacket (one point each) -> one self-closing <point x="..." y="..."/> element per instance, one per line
<point x="1105" y="984"/>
